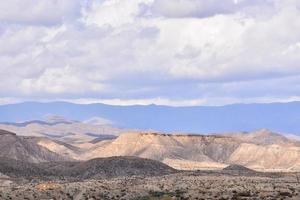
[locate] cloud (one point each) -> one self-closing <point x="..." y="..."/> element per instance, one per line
<point x="189" y="52"/>
<point x="113" y="13"/>
<point x="36" y="12"/>
<point x="203" y="8"/>
<point x="57" y="81"/>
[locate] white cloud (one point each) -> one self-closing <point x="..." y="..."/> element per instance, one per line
<point x="130" y="52"/>
<point x="39" y="12"/>
<point x="58" y="80"/>
<point x="204" y="8"/>
<point x="113" y="12"/>
<point x="195" y="8"/>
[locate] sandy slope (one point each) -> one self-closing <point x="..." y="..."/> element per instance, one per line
<point x="261" y="150"/>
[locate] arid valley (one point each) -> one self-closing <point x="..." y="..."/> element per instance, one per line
<point x="63" y="159"/>
<point x="149" y="99"/>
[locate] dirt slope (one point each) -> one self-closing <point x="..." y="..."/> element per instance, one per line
<point x="20" y="148"/>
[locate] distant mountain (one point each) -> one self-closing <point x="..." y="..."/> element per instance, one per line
<point x="64" y="130"/>
<point x="279" y="117"/>
<point x="26" y="123"/>
<point x="263" y="137"/>
<point x="24" y="149"/>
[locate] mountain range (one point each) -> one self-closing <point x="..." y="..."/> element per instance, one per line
<point x="261" y="150"/>
<point x="64" y="130"/>
<point x="279" y="117"/>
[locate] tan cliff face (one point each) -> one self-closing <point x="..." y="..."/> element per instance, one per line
<point x="161" y="146"/>
<point x="270" y="157"/>
<point x="262" y="150"/>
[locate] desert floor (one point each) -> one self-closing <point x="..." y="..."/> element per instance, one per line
<point x="183" y="185"/>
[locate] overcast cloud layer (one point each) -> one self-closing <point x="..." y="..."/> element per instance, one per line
<point x="175" y="52"/>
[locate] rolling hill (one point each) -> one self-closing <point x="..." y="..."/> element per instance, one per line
<point x="63" y="130"/>
<point x="96" y="168"/>
<point x="24" y="149"/>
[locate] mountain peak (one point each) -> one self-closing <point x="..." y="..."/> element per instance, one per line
<point x="57" y="119"/>
<point x="98" y="121"/>
<point x="264" y="131"/>
<point x="263" y="137"/>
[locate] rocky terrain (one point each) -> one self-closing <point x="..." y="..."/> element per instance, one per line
<point x="220" y="185"/>
<point x="95" y="168"/>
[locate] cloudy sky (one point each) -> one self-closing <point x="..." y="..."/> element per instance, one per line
<point x="174" y="52"/>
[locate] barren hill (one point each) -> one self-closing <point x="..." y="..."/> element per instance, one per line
<point x="119" y="166"/>
<point x="58" y="147"/>
<point x="96" y="168"/>
<point x="162" y="146"/>
<point x="261" y="150"/>
<point x="20" y="148"/>
<point x="237" y="168"/>
<point x="263" y="137"/>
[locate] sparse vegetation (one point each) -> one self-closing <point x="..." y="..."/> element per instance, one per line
<point x="220" y="185"/>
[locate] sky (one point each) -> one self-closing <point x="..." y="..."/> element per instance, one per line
<point x="168" y="52"/>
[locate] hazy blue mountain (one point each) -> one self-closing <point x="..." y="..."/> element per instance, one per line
<point x="281" y="117"/>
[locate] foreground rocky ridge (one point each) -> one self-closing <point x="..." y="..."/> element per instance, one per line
<point x="95" y="168"/>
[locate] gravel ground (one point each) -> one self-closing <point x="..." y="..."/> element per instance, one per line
<point x="184" y="185"/>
